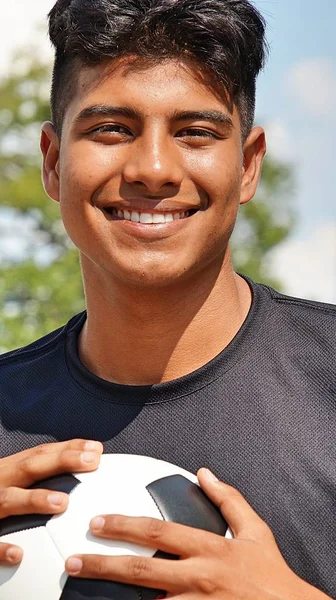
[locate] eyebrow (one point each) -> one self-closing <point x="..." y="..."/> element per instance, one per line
<point x="216" y="116"/>
<point x="101" y="110"/>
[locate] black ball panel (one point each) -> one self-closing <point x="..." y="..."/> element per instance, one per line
<point x="59" y="483"/>
<point x="93" y="589"/>
<point x="181" y="501"/>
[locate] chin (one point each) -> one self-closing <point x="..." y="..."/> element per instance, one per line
<point x="143" y="279"/>
<point x="137" y="273"/>
<point x="153" y="276"/>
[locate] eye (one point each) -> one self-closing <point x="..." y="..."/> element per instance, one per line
<point x="111" y="129"/>
<point x="198" y="134"/>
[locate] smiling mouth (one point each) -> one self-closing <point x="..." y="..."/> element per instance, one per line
<point x="146" y="218"/>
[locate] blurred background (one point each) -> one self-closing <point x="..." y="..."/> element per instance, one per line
<point x="286" y="237"/>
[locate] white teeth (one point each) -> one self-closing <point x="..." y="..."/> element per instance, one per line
<point x="148" y="218"/>
<point x="158" y="218"/>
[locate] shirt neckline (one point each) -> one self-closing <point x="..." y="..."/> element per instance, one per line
<point x="116" y="393"/>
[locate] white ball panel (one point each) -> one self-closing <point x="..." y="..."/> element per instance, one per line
<point x="40" y="572"/>
<point x="142" y="469"/>
<point x="99" y="493"/>
<point x="70" y="530"/>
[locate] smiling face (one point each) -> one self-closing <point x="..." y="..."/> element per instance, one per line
<point x="150" y="172"/>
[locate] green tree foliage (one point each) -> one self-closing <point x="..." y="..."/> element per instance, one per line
<point x="265" y="222"/>
<point x="42" y="289"/>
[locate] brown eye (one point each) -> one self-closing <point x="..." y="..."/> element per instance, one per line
<point x="114" y="129"/>
<point x="198" y="134"/>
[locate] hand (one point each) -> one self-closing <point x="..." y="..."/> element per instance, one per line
<point x="21" y="470"/>
<point x="248" y="567"/>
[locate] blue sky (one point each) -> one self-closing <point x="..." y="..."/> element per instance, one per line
<point x="296" y="104"/>
<point x="303" y="33"/>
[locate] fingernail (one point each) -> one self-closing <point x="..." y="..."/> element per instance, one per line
<point x="13" y="554"/>
<point x="55" y="499"/>
<point x="88" y="457"/>
<point x="210" y="476"/>
<point x="74" y="565"/>
<point x="91" y="445"/>
<point x="97" y="523"/>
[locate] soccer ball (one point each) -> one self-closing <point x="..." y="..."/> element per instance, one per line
<point x="123" y="484"/>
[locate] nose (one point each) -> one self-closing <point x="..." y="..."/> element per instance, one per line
<point x="153" y="162"/>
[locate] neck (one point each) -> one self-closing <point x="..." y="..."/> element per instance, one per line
<point x="136" y="336"/>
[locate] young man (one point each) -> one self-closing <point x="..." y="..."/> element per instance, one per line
<point x="151" y="151"/>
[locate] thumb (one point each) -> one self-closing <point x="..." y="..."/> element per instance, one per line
<point x="243" y="521"/>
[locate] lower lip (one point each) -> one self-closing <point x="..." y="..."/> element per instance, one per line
<point x="146" y="230"/>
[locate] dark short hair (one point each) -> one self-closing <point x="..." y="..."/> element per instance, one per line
<point x="224" y="38"/>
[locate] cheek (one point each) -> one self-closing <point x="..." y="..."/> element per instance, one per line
<point x="218" y="174"/>
<point x="86" y="167"/>
<point x="76" y="190"/>
<point x="83" y="170"/>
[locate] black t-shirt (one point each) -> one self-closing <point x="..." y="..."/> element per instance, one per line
<point x="261" y="415"/>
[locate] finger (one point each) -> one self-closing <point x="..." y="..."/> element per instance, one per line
<point x="75" y="444"/>
<point x="40" y="466"/>
<point x="243" y="521"/>
<point x="173" y="538"/>
<point x="10" y="555"/>
<point x="154" y="573"/>
<point x="16" y="501"/>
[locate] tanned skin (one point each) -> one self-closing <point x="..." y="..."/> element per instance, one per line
<point x="162" y="300"/>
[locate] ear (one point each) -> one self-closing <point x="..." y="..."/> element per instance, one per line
<point x="254" y="152"/>
<point x="49" y="145"/>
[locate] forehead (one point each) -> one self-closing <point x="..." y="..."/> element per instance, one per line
<point x="158" y="88"/>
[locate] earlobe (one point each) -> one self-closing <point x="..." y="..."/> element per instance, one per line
<point x="49" y="145"/>
<point x="254" y="152"/>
